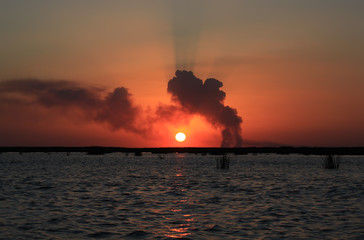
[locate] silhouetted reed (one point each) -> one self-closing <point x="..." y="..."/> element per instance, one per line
<point x="223" y="162"/>
<point x="138" y="153"/>
<point x="331" y="162"/>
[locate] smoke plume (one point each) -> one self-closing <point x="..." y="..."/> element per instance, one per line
<point x="206" y="99"/>
<point x="115" y="109"/>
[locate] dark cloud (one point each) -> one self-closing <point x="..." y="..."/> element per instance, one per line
<point x="116" y="108"/>
<point x="57" y="93"/>
<point x="119" y="111"/>
<point x="206" y="99"/>
<point x="170" y="114"/>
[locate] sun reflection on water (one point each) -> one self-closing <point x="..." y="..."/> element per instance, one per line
<point x="180" y="221"/>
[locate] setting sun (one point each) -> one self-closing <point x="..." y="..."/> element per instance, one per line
<point x="180" y="137"/>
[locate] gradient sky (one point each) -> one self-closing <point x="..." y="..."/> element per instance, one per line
<point x="293" y="70"/>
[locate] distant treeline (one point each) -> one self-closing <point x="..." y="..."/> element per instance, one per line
<point x="213" y="151"/>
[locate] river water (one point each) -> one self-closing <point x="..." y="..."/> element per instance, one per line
<point x="183" y="196"/>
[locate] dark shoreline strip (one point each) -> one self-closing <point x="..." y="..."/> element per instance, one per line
<point x="214" y="151"/>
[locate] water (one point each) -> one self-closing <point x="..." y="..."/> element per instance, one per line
<point x="114" y="196"/>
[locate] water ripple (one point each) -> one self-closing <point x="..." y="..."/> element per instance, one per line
<point x="55" y="196"/>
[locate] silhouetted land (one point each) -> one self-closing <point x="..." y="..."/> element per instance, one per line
<point x="213" y="151"/>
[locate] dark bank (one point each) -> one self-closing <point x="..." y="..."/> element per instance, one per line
<point x="212" y="151"/>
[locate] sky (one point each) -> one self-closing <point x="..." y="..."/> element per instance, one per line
<point x="104" y="73"/>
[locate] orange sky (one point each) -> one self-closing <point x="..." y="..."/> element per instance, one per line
<point x="294" y="70"/>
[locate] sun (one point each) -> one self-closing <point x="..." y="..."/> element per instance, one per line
<point x="180" y="137"/>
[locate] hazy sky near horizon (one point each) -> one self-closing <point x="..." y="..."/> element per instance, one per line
<point x="293" y="70"/>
